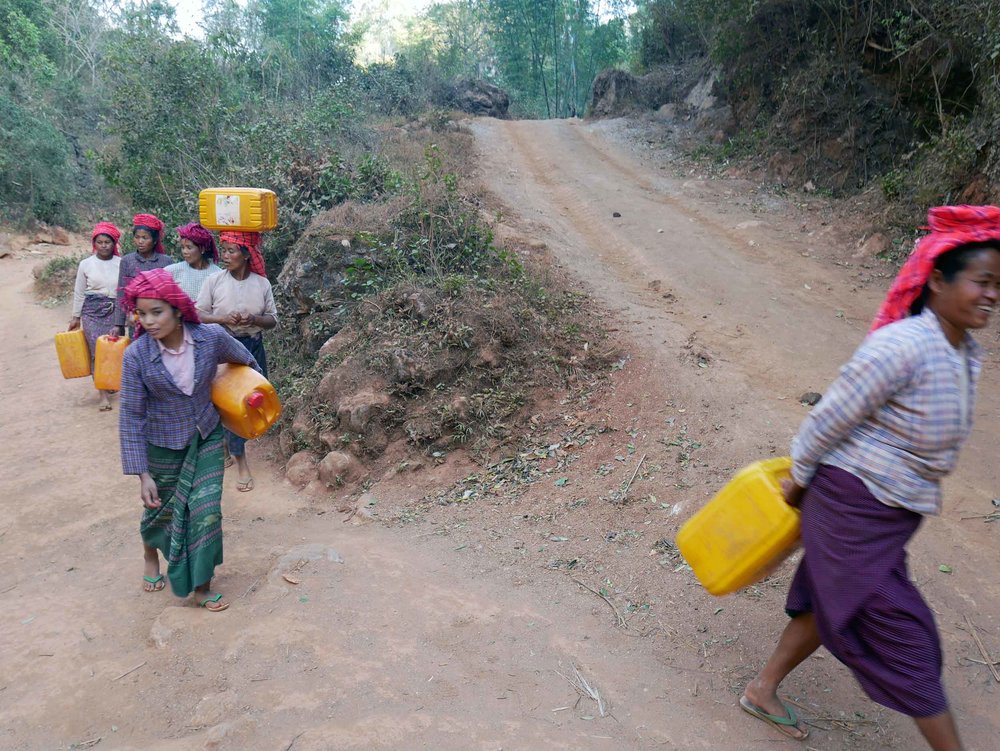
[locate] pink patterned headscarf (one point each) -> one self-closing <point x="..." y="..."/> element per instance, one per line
<point x="252" y="242"/>
<point x="200" y="237"/>
<point x="950" y="227"/>
<point x="105" y="228"/>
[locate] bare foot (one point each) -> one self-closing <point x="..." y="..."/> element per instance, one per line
<point x="759" y="701"/>
<point x="103" y="402"/>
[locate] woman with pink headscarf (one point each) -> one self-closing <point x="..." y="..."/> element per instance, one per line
<point x="171" y="436"/>
<point x="200" y="256"/>
<point x="867" y="465"/>
<point x="95" y="292"/>
<point x="147" y="238"/>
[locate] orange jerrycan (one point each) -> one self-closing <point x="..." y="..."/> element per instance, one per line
<point x="108" y="362"/>
<point x="239" y="209"/>
<point x="74" y="354"/>
<point x="745" y="532"/>
<point x="246" y="400"/>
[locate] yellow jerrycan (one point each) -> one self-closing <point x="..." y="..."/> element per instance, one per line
<point x="74" y="354"/>
<point x="108" y="362"/>
<point x="246" y="400"/>
<point x="239" y="209"/>
<point x="745" y="532"/>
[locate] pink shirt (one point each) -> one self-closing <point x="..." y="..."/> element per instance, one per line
<point x="180" y="363"/>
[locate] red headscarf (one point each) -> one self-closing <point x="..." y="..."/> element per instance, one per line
<point x="200" y="237"/>
<point x="251" y="241"/>
<point x="158" y="284"/>
<point x="152" y="222"/>
<point x="950" y="227"/>
<point x="105" y="228"/>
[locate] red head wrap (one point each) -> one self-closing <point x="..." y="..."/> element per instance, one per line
<point x="251" y="241"/>
<point x="200" y="237"/>
<point x="105" y="228"/>
<point x="950" y="227"/>
<point x="158" y="284"/>
<point x="153" y="223"/>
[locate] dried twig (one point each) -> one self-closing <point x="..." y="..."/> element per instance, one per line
<point x="252" y="587"/>
<point x="131" y="670"/>
<point x="88" y="744"/>
<point x="632" y="478"/>
<point x="622" y="623"/>
<point x="982" y="650"/>
<point x="289" y="746"/>
<point x="586" y="690"/>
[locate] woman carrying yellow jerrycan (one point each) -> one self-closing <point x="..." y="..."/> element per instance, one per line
<point x="171" y="436"/>
<point x="867" y="466"/>
<point x="95" y="292"/>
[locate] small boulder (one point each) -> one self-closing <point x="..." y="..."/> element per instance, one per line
<point x="810" y="398"/>
<point x="60" y="236"/>
<point x="873" y="246"/>
<point x="338" y="468"/>
<point x="175" y="623"/>
<point x="336" y="343"/>
<point x="301" y="468"/>
<point x="357" y="411"/>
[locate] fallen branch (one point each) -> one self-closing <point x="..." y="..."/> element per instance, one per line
<point x="131" y="670"/>
<point x="622" y="623"/>
<point x="982" y="650"/>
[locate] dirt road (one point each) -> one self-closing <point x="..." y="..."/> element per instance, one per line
<point x="403" y="638"/>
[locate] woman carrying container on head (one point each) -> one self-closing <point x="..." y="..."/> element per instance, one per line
<point x="867" y="466"/>
<point x="147" y="238"/>
<point x="240" y="298"/>
<point x="171" y="436"/>
<point x="95" y="292"/>
<point x="200" y="256"/>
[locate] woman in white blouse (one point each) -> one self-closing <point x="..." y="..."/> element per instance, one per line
<point x="95" y="293"/>
<point x="241" y="300"/>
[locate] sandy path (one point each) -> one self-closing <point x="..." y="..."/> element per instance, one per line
<point x="769" y="309"/>
<point x="398" y="639"/>
<point x="405" y="644"/>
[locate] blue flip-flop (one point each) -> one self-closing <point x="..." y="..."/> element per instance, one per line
<point x="784" y="724"/>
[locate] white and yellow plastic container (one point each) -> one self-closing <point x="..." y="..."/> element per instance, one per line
<point x="744" y="532"/>
<point x="239" y="209"/>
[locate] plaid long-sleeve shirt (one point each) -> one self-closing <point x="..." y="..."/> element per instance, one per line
<point x="130" y="266"/>
<point x="154" y="410"/>
<point x="895" y="416"/>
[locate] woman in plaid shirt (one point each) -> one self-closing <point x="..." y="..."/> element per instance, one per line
<point x="171" y="436"/>
<point x="867" y="465"/>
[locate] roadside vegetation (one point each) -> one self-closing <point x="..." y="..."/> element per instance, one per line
<point x="897" y="95"/>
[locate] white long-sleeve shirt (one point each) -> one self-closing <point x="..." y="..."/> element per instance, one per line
<point x="95" y="277"/>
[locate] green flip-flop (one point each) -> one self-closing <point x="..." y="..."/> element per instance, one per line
<point x="214" y="598"/>
<point x="154" y="580"/>
<point x="785" y="724"/>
